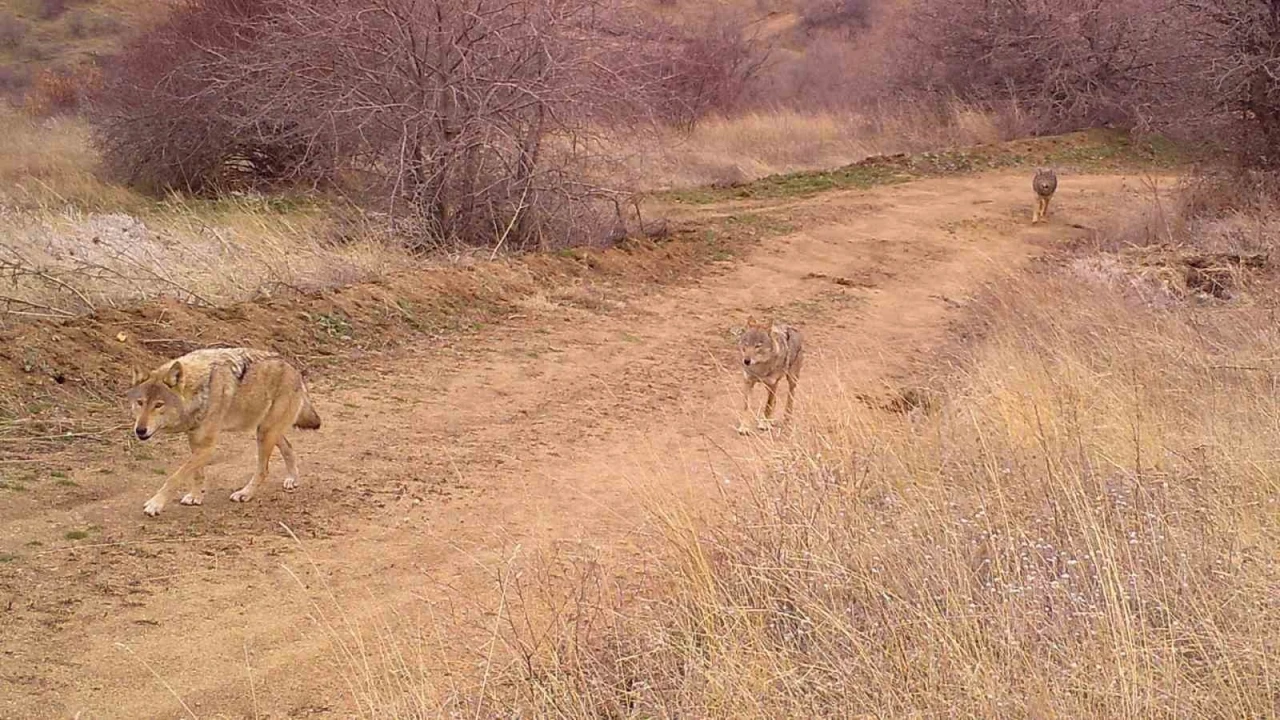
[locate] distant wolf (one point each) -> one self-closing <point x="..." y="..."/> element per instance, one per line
<point x="212" y="390"/>
<point x="769" y="353"/>
<point x="1045" y="183"/>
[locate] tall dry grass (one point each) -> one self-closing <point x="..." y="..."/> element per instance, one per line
<point x="71" y="243"/>
<point x="757" y="144"/>
<point x="1083" y="522"/>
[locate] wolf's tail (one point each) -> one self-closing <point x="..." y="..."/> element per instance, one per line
<point x="308" y="418"/>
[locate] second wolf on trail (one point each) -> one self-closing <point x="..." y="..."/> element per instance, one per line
<point x="769" y="354"/>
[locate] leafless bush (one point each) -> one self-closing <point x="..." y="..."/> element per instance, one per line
<point x="1069" y="63"/>
<point x="477" y="117"/>
<point x="687" y="74"/>
<point x="1234" y="94"/>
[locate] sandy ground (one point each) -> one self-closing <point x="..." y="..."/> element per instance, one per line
<point x="438" y="467"/>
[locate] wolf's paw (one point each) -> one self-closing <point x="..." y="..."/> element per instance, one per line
<point x="153" y="506"/>
<point x="764" y="424"/>
<point x="242" y="495"/>
<point x="192" y="499"/>
<point x="291" y="483"/>
<point x="743" y="429"/>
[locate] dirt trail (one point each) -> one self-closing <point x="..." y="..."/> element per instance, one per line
<point x="434" y="464"/>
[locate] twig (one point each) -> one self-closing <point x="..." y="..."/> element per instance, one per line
<point x="53" y="311"/>
<point x="161" y="680"/>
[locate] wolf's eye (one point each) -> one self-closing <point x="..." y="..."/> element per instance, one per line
<point x="139" y="402"/>
<point x="159" y="404"/>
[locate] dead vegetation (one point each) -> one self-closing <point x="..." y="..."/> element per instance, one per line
<point x="1081" y="524"/>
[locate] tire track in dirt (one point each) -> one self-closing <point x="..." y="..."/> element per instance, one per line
<point x="433" y="464"/>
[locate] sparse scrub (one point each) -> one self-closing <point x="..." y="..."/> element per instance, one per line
<point x="1084" y="529"/>
<point x="60" y="91"/>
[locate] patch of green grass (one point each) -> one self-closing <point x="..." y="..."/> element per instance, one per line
<point x="66" y="482"/>
<point x="7" y="557"/>
<point x="13" y="485"/>
<point x="76" y="534"/>
<point x="334" y="325"/>
<point x="1089" y="150"/>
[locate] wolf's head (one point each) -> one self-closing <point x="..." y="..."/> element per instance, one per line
<point x="155" y="401"/>
<point x="755" y="344"/>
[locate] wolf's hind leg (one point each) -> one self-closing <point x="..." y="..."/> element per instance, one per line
<point x="290" y="463"/>
<point x="792" y="378"/>
<point x="268" y="438"/>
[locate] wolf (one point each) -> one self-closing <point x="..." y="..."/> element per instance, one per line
<point x="1045" y="183"/>
<point x="769" y="354"/>
<point x="212" y="390"/>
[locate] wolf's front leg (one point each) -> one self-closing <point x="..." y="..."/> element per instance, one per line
<point x="766" y="422"/>
<point x="743" y="426"/>
<point x="196" y="495"/>
<point x="201" y="451"/>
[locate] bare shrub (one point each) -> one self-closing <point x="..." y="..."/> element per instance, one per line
<point x="1069" y="63"/>
<point x="477" y="117"/>
<point x="1234" y="94"/>
<point x="680" y="75"/>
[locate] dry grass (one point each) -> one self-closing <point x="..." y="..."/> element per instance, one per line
<point x="1088" y="528"/>
<point x="757" y="144"/>
<point x="1085" y="525"/>
<point x="72" y="243"/>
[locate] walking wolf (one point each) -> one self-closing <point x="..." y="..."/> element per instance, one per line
<point x="212" y="390"/>
<point x="1045" y="183"/>
<point x="768" y="355"/>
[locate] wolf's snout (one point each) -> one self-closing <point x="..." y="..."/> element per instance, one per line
<point x="142" y="433"/>
<point x="746" y="361"/>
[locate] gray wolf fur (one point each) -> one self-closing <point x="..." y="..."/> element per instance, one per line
<point x="1045" y="183"/>
<point x="769" y="354"/>
<point x="206" y="392"/>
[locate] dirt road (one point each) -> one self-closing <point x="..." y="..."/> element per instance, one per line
<point x="436" y="466"/>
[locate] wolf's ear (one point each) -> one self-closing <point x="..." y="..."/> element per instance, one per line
<point x="138" y="375"/>
<point x="751" y="321"/>
<point x="173" y="377"/>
